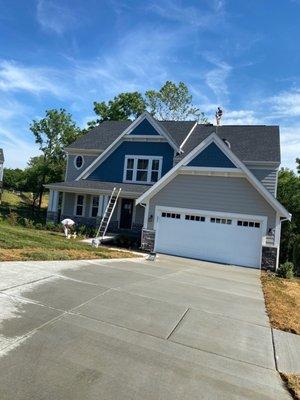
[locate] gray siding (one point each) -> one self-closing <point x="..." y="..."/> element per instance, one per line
<point x="212" y="193"/>
<point x="268" y="177"/>
<point x="71" y="171"/>
<point x="69" y="204"/>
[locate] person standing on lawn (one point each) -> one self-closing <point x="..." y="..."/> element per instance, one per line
<point x="68" y="225"/>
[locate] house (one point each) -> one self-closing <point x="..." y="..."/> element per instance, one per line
<point x="1" y="172"/>
<point x="193" y="190"/>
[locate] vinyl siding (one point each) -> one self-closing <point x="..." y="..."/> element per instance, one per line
<point x="212" y="193"/>
<point x="268" y="177"/>
<point x="71" y="172"/>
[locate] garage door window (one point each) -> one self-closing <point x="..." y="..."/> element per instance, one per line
<point x="248" y="224"/>
<point x="170" y="215"/>
<point x="224" y="221"/>
<point x="189" y="217"/>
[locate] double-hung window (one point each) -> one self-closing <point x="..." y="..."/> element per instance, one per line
<point x="142" y="169"/>
<point x="94" y="206"/>
<point x="79" y="206"/>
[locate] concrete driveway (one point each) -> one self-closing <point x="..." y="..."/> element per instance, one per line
<point x="134" y="329"/>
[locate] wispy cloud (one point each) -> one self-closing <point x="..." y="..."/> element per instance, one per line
<point x="30" y="79"/>
<point x="285" y="104"/>
<point x="216" y="78"/>
<point x="53" y="16"/>
<point x="197" y="17"/>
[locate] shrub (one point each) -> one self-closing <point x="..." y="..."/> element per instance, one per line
<point x="28" y="223"/>
<point x="296" y="255"/>
<point x="39" y="226"/>
<point x="12" y="218"/>
<point x="286" y="270"/>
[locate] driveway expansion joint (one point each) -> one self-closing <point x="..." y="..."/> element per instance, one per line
<point x="178" y="323"/>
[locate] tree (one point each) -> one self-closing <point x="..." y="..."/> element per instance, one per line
<point x="288" y="193"/>
<point x="298" y="165"/>
<point x="173" y="102"/>
<point x="170" y="102"/>
<point x="123" y="107"/>
<point x="52" y="133"/>
<point x="13" y="178"/>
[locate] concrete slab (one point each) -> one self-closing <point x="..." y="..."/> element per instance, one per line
<point x="287" y="346"/>
<point x="14" y="274"/>
<point x="141" y="266"/>
<point x="134" y="312"/>
<point x="78" y="358"/>
<point x="60" y="293"/>
<point x="18" y="317"/>
<point x="216" y="282"/>
<point x="104" y="276"/>
<point x="217" y="302"/>
<point x="225" y="336"/>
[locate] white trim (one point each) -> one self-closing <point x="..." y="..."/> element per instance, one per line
<point x="67" y="168"/>
<point x="248" y="174"/>
<point x="207" y="171"/>
<point x="135" y="168"/>
<point x="83" y="205"/>
<point x="91" y="205"/>
<point x="188" y="135"/>
<point x="146" y="213"/>
<point x="63" y="203"/>
<point x="130" y="128"/>
<point x="85" y="152"/>
<point x="75" y="159"/>
<point x="68" y="189"/>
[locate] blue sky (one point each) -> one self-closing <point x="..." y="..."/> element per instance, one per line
<point x="241" y="55"/>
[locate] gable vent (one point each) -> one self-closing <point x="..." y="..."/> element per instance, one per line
<point x="226" y="142"/>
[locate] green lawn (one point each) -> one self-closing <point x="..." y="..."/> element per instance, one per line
<point x="21" y="244"/>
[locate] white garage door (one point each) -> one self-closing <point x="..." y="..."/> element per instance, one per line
<point x="223" y="239"/>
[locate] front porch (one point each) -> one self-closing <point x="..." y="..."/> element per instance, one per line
<point x="88" y="209"/>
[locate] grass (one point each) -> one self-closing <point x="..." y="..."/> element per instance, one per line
<point x="23" y="244"/>
<point x="282" y="297"/>
<point x="292" y="382"/>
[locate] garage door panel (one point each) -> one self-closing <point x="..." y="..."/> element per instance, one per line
<point x="225" y="243"/>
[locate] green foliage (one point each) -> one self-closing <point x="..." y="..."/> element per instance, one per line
<point x="286" y="270"/>
<point x="296" y="255"/>
<point x="170" y="102"/>
<point x="173" y="102"/>
<point x="288" y="193"/>
<point x="123" y="107"/>
<point x="12" y="218"/>
<point x="52" y="133"/>
<point x="13" y="179"/>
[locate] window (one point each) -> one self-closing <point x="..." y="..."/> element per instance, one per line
<point x="248" y="224"/>
<point x="224" y="221"/>
<point x="142" y="169"/>
<point x="170" y="215"/>
<point x="79" y="205"/>
<point x="94" y="206"/>
<point x="189" y="217"/>
<point x="78" y="161"/>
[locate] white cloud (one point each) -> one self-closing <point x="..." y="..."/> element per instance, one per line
<point x="290" y="145"/>
<point x="285" y="104"/>
<point x="216" y="78"/>
<point x="241" y="117"/>
<point x="30" y="79"/>
<point x="54" y="17"/>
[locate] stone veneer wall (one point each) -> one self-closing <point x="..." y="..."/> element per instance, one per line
<point x="148" y="238"/>
<point x="269" y="258"/>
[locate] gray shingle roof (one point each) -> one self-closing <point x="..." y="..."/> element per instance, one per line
<point x="1" y="156"/>
<point x="248" y="142"/>
<point x="101" y="186"/>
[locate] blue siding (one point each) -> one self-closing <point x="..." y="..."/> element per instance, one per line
<point x="212" y="156"/>
<point x="144" y="128"/>
<point x="111" y="170"/>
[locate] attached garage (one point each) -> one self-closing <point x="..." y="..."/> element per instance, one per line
<point x="226" y="238"/>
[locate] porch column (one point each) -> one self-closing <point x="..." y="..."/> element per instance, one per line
<point x="52" y="212"/>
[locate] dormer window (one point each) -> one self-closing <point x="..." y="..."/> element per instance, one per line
<point x="142" y="169"/>
<point x="78" y="161"/>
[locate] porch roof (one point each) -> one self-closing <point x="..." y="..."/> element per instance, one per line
<point x="96" y="187"/>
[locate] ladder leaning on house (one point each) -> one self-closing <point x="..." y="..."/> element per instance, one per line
<point x="111" y="205"/>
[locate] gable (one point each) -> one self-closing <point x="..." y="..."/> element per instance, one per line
<point x="112" y="168"/>
<point x="211" y="156"/>
<point x="144" y="128"/>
